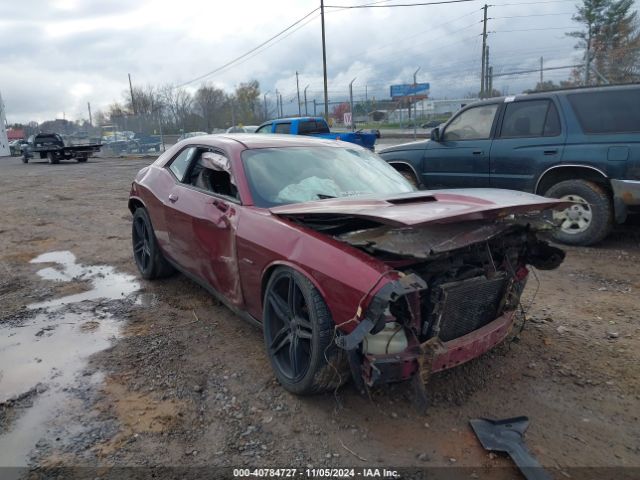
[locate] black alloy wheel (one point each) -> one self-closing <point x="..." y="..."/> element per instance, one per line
<point x="141" y="244"/>
<point x="146" y="253"/>
<point x="298" y="333"/>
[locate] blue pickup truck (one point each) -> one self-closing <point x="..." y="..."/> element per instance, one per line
<point x="317" y="127"/>
<point x="580" y="144"/>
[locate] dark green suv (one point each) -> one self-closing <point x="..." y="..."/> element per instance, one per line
<point x="579" y="144"/>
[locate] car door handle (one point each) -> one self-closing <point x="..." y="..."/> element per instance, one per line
<point x="477" y="152"/>
<point x="220" y="205"/>
<point x="551" y="152"/>
<point x="173" y="197"/>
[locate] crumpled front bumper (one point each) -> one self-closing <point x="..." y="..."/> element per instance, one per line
<point x="435" y="355"/>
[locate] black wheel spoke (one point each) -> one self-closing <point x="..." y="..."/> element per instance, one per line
<point x="294" y="361"/>
<point x="138" y="247"/>
<point x="280" y="340"/>
<point x="292" y="296"/>
<point x="306" y="330"/>
<point x="139" y="230"/>
<point x="280" y="308"/>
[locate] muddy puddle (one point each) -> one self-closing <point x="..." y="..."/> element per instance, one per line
<point x="41" y="359"/>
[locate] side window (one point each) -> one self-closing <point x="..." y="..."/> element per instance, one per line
<point x="180" y="164"/>
<point x="265" y="128"/>
<point x="607" y="111"/>
<point x="212" y="172"/>
<point x="472" y="124"/>
<point x="535" y="118"/>
<point x="283" y="128"/>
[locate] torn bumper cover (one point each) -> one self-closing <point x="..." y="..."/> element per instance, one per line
<point x="426" y="358"/>
<point x="374" y="320"/>
<point x="434" y="355"/>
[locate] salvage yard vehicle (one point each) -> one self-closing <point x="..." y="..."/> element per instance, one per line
<point x="51" y="146"/>
<point x="346" y="267"/>
<point x="142" y="143"/>
<point x="317" y="127"/>
<point x="15" y="147"/>
<point x="581" y="145"/>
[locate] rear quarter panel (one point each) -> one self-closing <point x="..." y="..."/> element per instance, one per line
<point x="152" y="188"/>
<point x="616" y="155"/>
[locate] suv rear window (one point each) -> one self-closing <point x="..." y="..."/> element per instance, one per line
<point x="613" y="111"/>
<point x="311" y="126"/>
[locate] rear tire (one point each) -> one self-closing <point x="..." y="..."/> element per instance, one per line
<point x="297" y="324"/>
<point x="52" y="158"/>
<point x="590" y="220"/>
<point x="146" y="252"/>
<point x="82" y="159"/>
<point x="25" y="159"/>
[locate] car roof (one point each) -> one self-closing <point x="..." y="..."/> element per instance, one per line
<point x="291" y="119"/>
<point x="548" y="93"/>
<point x="261" y="140"/>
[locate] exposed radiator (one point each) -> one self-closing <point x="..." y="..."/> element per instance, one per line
<point x="469" y="304"/>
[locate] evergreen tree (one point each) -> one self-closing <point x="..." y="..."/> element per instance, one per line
<point x="610" y="39"/>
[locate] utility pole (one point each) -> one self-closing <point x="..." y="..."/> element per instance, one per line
<point x="266" y="112"/>
<point x="486" y="73"/>
<point x="324" y="64"/>
<point x="306" y="111"/>
<point x="366" y="93"/>
<point x="90" y="120"/>
<point x="541" y="70"/>
<point x="298" y="89"/>
<point x="415" y="113"/>
<point x="314" y="108"/>
<point x="133" y="104"/>
<point x="353" y="123"/>
<point x="484" y="46"/>
<point x="281" y="107"/>
<point x="277" y="103"/>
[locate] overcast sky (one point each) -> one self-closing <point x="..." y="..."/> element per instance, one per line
<point x="57" y="55"/>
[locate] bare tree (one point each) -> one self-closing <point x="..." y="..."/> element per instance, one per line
<point x="178" y="105"/>
<point x="210" y="102"/>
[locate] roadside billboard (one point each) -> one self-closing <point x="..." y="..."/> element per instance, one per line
<point x="409" y="89"/>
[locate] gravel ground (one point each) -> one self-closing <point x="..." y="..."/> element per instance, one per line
<point x="158" y="374"/>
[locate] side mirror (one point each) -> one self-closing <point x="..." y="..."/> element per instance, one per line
<point x="435" y="134"/>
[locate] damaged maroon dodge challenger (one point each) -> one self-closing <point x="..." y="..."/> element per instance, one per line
<point x="348" y="270"/>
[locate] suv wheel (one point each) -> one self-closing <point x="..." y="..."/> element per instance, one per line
<point x="588" y="221"/>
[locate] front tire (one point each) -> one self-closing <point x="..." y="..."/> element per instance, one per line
<point x="299" y="335"/>
<point x="587" y="222"/>
<point x="146" y="253"/>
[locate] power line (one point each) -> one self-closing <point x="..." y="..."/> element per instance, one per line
<point x="216" y="70"/>
<point x="349" y="7"/>
<point x="531" y="29"/>
<point x="533" y="15"/>
<point x="522" y="72"/>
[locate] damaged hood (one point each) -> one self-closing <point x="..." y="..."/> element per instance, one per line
<point x="425" y="207"/>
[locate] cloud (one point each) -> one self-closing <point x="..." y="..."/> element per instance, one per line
<point x="58" y="56"/>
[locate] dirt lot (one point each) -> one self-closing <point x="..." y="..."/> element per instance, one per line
<point x="100" y="368"/>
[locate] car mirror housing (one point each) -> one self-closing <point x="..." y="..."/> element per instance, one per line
<point x="435" y="134"/>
